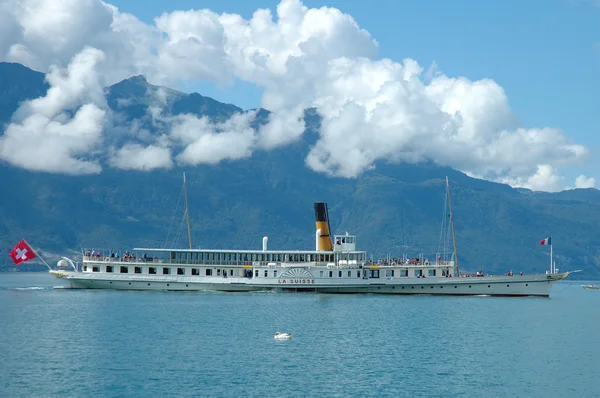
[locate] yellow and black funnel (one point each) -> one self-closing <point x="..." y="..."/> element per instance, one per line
<point x="322" y="223"/>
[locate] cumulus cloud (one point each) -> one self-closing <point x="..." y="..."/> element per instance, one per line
<point x="545" y="178"/>
<point x="209" y="143"/>
<point x="372" y="109"/>
<point x="56" y="132"/>
<point x="138" y="157"/>
<point x="282" y="127"/>
<point x="585" y="182"/>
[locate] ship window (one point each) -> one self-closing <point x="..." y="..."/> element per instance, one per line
<point x="180" y="271"/>
<point x="166" y="271"/>
<point x="208" y="272"/>
<point x="358" y="274"/>
<point x="339" y="274"/>
<point x="109" y="268"/>
<point x="330" y="274"/>
<point x="218" y="272"/>
<point x="85" y="267"/>
<point x="256" y="273"/>
<point x="195" y="272"/>
<point x="274" y="273"/>
<point x="431" y="272"/>
<point x="418" y="272"/>
<point x="373" y="273"/>
<point x="321" y="275"/>
<point x="389" y="273"/>
<point x="349" y="274"/>
<point x="95" y="269"/>
<point x="403" y="272"/>
<point x="266" y="273"/>
<point x="137" y="270"/>
<point x="124" y="270"/>
<point x="152" y="270"/>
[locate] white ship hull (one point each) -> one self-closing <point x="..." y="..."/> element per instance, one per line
<point x="529" y="285"/>
<point x="334" y="266"/>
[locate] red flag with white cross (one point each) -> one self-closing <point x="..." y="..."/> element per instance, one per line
<point x="22" y="252"/>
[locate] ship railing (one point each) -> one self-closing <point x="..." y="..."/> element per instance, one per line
<point x="204" y="263"/>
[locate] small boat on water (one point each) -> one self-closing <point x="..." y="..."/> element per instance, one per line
<point x="590" y="287"/>
<point x="334" y="266"/>
<point x="282" y="336"/>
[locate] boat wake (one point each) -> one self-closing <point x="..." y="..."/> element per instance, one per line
<point x="31" y="288"/>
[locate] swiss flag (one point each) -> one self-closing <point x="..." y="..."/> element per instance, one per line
<point x="22" y="252"/>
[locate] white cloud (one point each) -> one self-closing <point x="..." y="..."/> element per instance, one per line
<point x="372" y="109"/>
<point x="282" y="127"/>
<point x="194" y="45"/>
<point x="45" y="137"/>
<point x="585" y="182"/>
<point x="209" y="143"/>
<point x="138" y="157"/>
<point x="545" y="178"/>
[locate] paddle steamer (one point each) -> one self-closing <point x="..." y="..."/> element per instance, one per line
<point x="334" y="266"/>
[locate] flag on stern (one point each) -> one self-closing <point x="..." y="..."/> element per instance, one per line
<point x="22" y="252"/>
<point x="547" y="241"/>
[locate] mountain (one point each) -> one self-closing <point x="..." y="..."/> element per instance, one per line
<point x="394" y="208"/>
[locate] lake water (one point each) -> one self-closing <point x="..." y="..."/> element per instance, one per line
<point x="85" y="343"/>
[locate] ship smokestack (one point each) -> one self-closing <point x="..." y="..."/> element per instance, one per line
<point x="322" y="224"/>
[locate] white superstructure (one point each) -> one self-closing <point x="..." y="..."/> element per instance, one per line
<point x="334" y="266"/>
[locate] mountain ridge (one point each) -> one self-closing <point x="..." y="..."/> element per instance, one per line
<point x="393" y="208"/>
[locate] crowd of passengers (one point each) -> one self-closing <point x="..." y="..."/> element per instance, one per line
<point x="407" y="261"/>
<point x="114" y="256"/>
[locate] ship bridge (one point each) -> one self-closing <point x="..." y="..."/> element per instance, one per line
<point x="344" y="243"/>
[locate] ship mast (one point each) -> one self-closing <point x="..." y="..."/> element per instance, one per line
<point x="452" y="225"/>
<point x="187" y="213"/>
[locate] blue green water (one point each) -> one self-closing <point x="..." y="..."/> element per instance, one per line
<point x="85" y="343"/>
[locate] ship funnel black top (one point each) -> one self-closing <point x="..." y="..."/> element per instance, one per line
<point x="320" y="212"/>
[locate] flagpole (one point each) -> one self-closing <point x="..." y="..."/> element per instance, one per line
<point x="37" y="254"/>
<point x="551" y="266"/>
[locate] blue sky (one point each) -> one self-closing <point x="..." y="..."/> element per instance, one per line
<point x="545" y="54"/>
